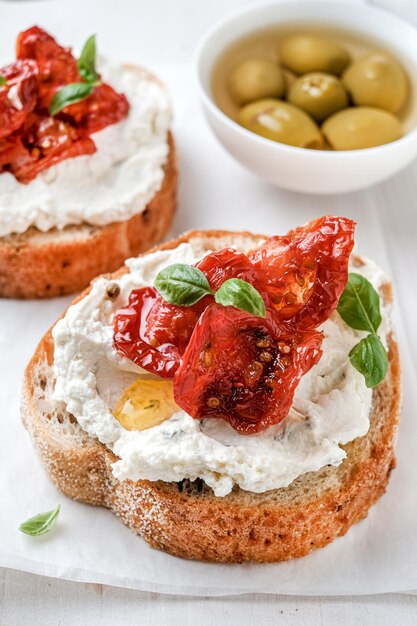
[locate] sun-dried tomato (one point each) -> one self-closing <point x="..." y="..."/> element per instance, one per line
<point x="31" y="140"/>
<point x="238" y="368"/>
<point x="233" y="365"/>
<point x="13" y="153"/>
<point x="128" y="336"/>
<point x="168" y="323"/>
<point x="104" y="107"/>
<point x="48" y="141"/>
<point x="56" y="65"/>
<point x="306" y="270"/>
<point x="18" y="96"/>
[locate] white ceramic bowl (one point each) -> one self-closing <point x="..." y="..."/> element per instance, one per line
<point x="299" y="169"/>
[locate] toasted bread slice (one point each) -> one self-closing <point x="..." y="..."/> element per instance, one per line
<point x="186" y="519"/>
<point x="35" y="264"/>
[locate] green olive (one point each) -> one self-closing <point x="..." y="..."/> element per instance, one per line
<point x="318" y="94"/>
<point x="361" y="127"/>
<point x="255" y="79"/>
<point x="280" y="121"/>
<point x="376" y="79"/>
<point x="310" y="53"/>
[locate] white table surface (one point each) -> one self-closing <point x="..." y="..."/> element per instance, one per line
<point x="33" y="600"/>
<point x="169" y="30"/>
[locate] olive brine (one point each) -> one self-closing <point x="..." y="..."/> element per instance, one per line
<point x="307" y="90"/>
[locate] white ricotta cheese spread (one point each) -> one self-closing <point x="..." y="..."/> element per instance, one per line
<point x="110" y="185"/>
<point x="331" y="405"/>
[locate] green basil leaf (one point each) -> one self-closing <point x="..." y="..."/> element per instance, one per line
<point x="242" y="295"/>
<point x="370" y="358"/>
<point x="3" y="81"/>
<point x="182" y="284"/>
<point x="87" y="61"/>
<point x="359" y="304"/>
<point x="40" y="524"/>
<point x="69" y="94"/>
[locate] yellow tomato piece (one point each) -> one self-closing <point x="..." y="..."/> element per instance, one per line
<point x="145" y="403"/>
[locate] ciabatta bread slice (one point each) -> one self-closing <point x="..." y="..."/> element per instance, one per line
<point x="186" y="519"/>
<point x="37" y="264"/>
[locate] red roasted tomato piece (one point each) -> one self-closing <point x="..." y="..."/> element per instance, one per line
<point x="35" y="140"/>
<point x="238" y="368"/>
<point x="57" y="66"/>
<point x="13" y="153"/>
<point x="168" y="323"/>
<point x="105" y="106"/>
<point x="228" y="263"/>
<point x="128" y="336"/>
<point x="48" y="141"/>
<point x="306" y="271"/>
<point x="18" y="96"/>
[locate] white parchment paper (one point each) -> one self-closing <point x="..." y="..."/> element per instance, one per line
<point x="90" y="544"/>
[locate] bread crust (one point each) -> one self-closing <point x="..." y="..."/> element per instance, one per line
<point x="43" y="265"/>
<point x="186" y="519"/>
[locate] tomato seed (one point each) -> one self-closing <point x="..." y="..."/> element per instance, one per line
<point x="266" y="356"/>
<point x="252" y="373"/>
<point x="284" y="348"/>
<point x="265" y="342"/>
<point x="207" y="358"/>
<point x="213" y="402"/>
<point x="290" y="298"/>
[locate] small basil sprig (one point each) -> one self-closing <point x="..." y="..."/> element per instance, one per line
<point x="74" y="92"/>
<point x="87" y="61"/>
<point x="359" y="308"/>
<point x="69" y="94"/>
<point x="3" y="81"/>
<point x="242" y="295"/>
<point x="370" y="359"/>
<point x="41" y="523"/>
<point x="184" y="285"/>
